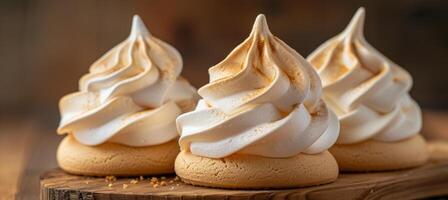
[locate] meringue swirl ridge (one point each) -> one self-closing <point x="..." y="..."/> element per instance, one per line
<point x="132" y="95"/>
<point x="368" y="92"/>
<point x="263" y="99"/>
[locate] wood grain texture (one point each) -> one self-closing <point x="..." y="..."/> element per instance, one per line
<point x="41" y="156"/>
<point x="426" y="181"/>
<point x="12" y="159"/>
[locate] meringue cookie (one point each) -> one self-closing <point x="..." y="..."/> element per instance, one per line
<point x="131" y="95"/>
<point x="263" y="99"/>
<point x="367" y="91"/>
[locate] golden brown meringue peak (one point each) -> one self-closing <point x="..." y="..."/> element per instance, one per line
<point x="262" y="99"/>
<point x="131" y="95"/>
<point x="260" y="27"/>
<point x="138" y="28"/>
<point x="368" y="91"/>
<point x="356" y="26"/>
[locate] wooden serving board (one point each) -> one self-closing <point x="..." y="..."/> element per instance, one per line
<point x="426" y="181"/>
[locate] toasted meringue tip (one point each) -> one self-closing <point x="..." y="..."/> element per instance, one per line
<point x="138" y="27"/>
<point x="360" y="15"/>
<point x="356" y="25"/>
<point x="261" y="19"/>
<point x="260" y="25"/>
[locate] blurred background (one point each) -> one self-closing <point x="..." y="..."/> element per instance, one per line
<point x="46" y="45"/>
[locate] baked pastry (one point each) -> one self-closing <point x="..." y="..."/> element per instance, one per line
<point x="122" y="119"/>
<point x="380" y="122"/>
<point x="260" y="122"/>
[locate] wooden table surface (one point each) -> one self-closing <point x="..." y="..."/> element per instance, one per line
<point x="27" y="150"/>
<point x="430" y="180"/>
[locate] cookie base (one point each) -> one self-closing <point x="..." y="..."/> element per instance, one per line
<point x="256" y="172"/>
<point x="115" y="159"/>
<point x="380" y="156"/>
<point x="438" y="150"/>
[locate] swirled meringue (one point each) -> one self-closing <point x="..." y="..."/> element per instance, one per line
<point x="368" y="92"/>
<point x="132" y="95"/>
<point x="263" y="99"/>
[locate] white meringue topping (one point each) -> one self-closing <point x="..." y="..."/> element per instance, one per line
<point x="263" y="99"/>
<point x="130" y="96"/>
<point x="368" y="92"/>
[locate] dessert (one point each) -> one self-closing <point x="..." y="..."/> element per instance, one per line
<point x="380" y="122"/>
<point x="260" y="123"/>
<point x="122" y="119"/>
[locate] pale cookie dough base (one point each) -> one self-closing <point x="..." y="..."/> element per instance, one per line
<point x="379" y="156"/>
<point x="438" y="150"/>
<point x="255" y="172"/>
<point x="115" y="159"/>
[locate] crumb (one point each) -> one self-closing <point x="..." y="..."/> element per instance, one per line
<point x="154" y="179"/>
<point x="133" y="181"/>
<point x="110" y="185"/>
<point x="155" y="185"/>
<point x="177" y="184"/>
<point x="163" y="178"/>
<point x="142" y="178"/>
<point x="176" y="178"/>
<point x="171" y="181"/>
<point x="163" y="183"/>
<point x="125" y="186"/>
<point x="172" y="188"/>
<point x="110" y="178"/>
